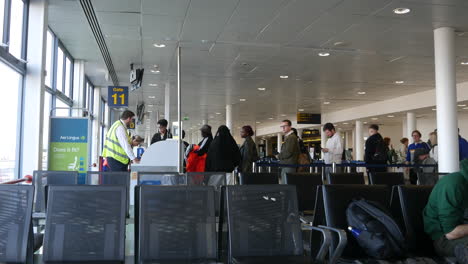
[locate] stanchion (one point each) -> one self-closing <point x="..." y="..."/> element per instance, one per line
<point x="333" y="167"/>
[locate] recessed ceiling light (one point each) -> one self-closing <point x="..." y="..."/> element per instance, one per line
<point x="150" y="105"/>
<point x="345" y="123"/>
<point x="151" y="97"/>
<point x="399" y="82"/>
<point x="462" y="105"/>
<point x="211" y="116"/>
<point x="283" y="115"/>
<point x="258" y="122"/>
<point x="465" y="108"/>
<point x="150" y="111"/>
<point x="261" y="89"/>
<point x="464" y="63"/>
<point x="155" y="71"/>
<point x="326" y="103"/>
<point x="300" y="110"/>
<point x="365" y="122"/>
<point x="218" y="113"/>
<point x="271" y="118"/>
<point x="433" y="109"/>
<point x="159" y="45"/>
<point x="153" y="84"/>
<point x="284" y="76"/>
<point x="401" y="10"/>
<point x="375" y="118"/>
<point x="242" y="100"/>
<point x="361" y="93"/>
<point x="324" y="54"/>
<point x="390" y="116"/>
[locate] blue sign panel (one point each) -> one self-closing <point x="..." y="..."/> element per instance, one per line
<point x="117" y="96"/>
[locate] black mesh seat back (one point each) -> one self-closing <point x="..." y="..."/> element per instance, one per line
<point x="346" y="178"/>
<point x="336" y="200"/>
<point x="215" y="179"/>
<point x="16" y="203"/>
<point x="161" y="178"/>
<point x="306" y="188"/>
<point x="413" y="200"/>
<point x="44" y="178"/>
<point x="429" y="178"/>
<point x="177" y="222"/>
<point x="258" y="178"/>
<point x="387" y="178"/>
<point x="263" y="220"/>
<point x="85" y="223"/>
<point x="108" y="178"/>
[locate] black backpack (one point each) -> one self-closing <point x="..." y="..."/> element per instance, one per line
<point x="380" y="236"/>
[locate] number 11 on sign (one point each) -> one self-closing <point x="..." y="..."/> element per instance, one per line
<point x="122" y="97"/>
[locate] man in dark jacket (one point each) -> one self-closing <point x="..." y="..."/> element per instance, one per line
<point x="163" y="133"/>
<point x="289" y="150"/>
<point x="376" y="152"/>
<point x="444" y="215"/>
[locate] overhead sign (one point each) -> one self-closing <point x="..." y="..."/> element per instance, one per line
<point x="117" y="96"/>
<point x="68" y="145"/>
<point x="307" y="118"/>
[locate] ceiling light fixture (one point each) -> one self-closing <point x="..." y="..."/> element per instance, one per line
<point x="150" y="105"/>
<point x="159" y="45"/>
<point x="261" y="89"/>
<point x="465" y="108"/>
<point x="218" y="113"/>
<point x="300" y="110"/>
<point x="390" y="116"/>
<point x="151" y="97"/>
<point x="153" y="84"/>
<point x="464" y="63"/>
<point x="155" y="71"/>
<point x="401" y="10"/>
<point x="326" y="103"/>
<point x="284" y="76"/>
<point x="462" y="105"/>
<point x="399" y="82"/>
<point x="364" y="122"/>
<point x="258" y="122"/>
<point x="361" y="93"/>
<point x="324" y="54"/>
<point x="150" y="111"/>
<point x="271" y="118"/>
<point x="242" y="100"/>
<point x="283" y="115"/>
<point x="433" y="109"/>
<point x="375" y="118"/>
<point x="345" y="123"/>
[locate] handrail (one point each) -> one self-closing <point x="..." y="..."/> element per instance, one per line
<point x="26" y="179"/>
<point x="352" y="165"/>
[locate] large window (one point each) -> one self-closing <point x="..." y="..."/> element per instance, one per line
<point x="10" y="85"/>
<point x="13" y="23"/>
<point x="49" y="59"/>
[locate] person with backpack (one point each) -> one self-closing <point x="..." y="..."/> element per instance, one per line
<point x="376" y="152"/>
<point x="417" y="144"/>
<point x="391" y="152"/>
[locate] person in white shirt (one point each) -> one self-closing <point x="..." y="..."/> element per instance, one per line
<point x="333" y="151"/>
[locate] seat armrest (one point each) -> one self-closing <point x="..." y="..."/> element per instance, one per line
<point x="327" y="238"/>
<point x="335" y="254"/>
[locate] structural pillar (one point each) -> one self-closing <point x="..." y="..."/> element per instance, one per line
<point x="359" y="141"/>
<point x="279" y="141"/>
<point x="410" y="124"/>
<point x="323" y="140"/>
<point x="446" y="99"/>
<point x="167" y="103"/>
<point x="267" y="147"/>
<point x="33" y="100"/>
<point x="229" y="116"/>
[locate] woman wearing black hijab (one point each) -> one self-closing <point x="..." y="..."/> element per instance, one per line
<point x="224" y="154"/>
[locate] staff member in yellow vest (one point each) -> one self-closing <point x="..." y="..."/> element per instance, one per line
<point x="117" y="148"/>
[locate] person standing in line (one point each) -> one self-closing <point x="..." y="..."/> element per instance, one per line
<point x="333" y="150"/>
<point x="205" y="143"/>
<point x="434" y="153"/>
<point x="248" y="150"/>
<point x="401" y="152"/>
<point x="304" y="155"/>
<point x="417" y="143"/>
<point x="375" y="152"/>
<point x="163" y="133"/>
<point x="117" y="146"/>
<point x="289" y="154"/>
<point x="223" y="154"/>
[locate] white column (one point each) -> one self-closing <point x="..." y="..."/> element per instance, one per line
<point x="359" y="141"/>
<point x="279" y="141"/>
<point x="33" y="102"/>
<point x="446" y="99"/>
<point x="323" y="140"/>
<point x="410" y="124"/>
<point x="229" y="116"/>
<point x="78" y="86"/>
<point x="167" y="104"/>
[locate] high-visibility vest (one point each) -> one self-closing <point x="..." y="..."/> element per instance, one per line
<point x="112" y="147"/>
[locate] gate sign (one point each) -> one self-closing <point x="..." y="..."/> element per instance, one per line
<point x="68" y="145"/>
<point x="117" y="96"/>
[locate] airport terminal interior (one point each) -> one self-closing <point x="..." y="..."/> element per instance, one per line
<point x="234" y="131"/>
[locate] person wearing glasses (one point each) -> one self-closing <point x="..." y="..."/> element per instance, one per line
<point x="417" y="144"/>
<point x="290" y="151"/>
<point x="117" y="146"/>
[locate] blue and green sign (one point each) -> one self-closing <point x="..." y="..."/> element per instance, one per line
<point x="68" y="147"/>
<point x="117" y="96"/>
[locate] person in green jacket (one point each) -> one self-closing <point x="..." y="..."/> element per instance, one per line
<point x="444" y="215"/>
<point x="290" y="151"/>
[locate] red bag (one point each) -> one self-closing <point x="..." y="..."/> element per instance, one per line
<point x="196" y="163"/>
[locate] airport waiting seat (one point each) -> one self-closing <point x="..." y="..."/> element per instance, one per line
<point x="345" y="178"/>
<point x="214" y="179"/>
<point x="176" y="224"/>
<point x="336" y="199"/>
<point x="42" y="179"/>
<point x="387" y="178"/>
<point x="306" y="188"/>
<point x="264" y="225"/>
<point x="413" y="200"/>
<point x="429" y="178"/>
<point x="160" y="178"/>
<point x="110" y="178"/>
<point x="247" y="178"/>
<point x="85" y="223"/>
<point x="16" y="202"/>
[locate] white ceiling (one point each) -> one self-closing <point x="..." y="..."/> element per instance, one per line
<point x="232" y="47"/>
